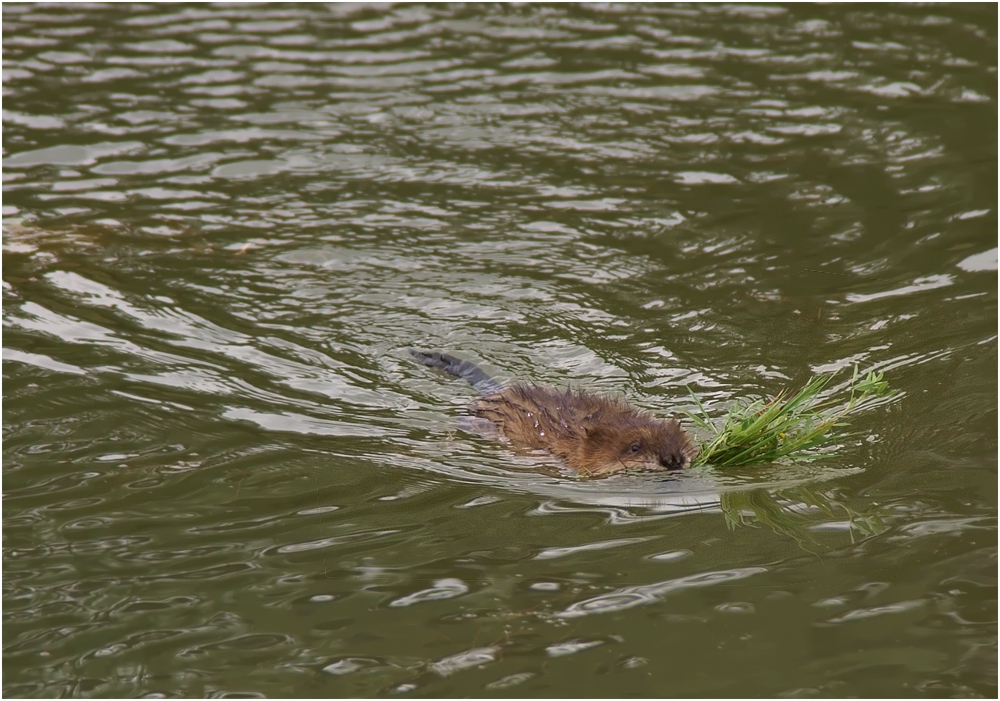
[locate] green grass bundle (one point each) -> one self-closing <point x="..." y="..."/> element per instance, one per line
<point x="790" y="425"/>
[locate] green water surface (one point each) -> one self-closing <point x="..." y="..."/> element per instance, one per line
<point x="223" y="226"/>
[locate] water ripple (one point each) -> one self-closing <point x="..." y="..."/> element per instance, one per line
<point x="467" y="659"/>
<point x="442" y="589"/>
<point x="630" y="597"/>
<point x="223" y="227"/>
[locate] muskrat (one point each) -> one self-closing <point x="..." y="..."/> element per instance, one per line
<point x="595" y="435"/>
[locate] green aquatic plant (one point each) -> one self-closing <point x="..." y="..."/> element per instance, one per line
<point x="793" y="425"/>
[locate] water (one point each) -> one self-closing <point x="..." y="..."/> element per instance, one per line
<point x="224" y="226"/>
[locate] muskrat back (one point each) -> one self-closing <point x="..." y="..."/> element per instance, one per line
<point x="593" y="434"/>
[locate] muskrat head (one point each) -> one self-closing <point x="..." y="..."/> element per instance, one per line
<point x="648" y="446"/>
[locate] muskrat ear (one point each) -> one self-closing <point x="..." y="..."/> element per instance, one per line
<point x="594" y="432"/>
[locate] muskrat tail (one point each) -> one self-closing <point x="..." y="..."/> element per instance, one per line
<point x="471" y="372"/>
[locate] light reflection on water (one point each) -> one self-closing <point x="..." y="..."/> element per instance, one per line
<point x="224" y="225"/>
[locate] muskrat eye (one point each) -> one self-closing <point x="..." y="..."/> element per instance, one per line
<point x="636" y="447"/>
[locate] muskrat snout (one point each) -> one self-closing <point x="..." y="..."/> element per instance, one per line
<point x="675" y="461"/>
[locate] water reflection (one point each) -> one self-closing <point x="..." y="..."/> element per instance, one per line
<point x="223" y="226"/>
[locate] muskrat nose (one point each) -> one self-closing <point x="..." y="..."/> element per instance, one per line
<point x="673" y="462"/>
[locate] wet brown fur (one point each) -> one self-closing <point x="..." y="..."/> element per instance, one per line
<point x="595" y="435"/>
